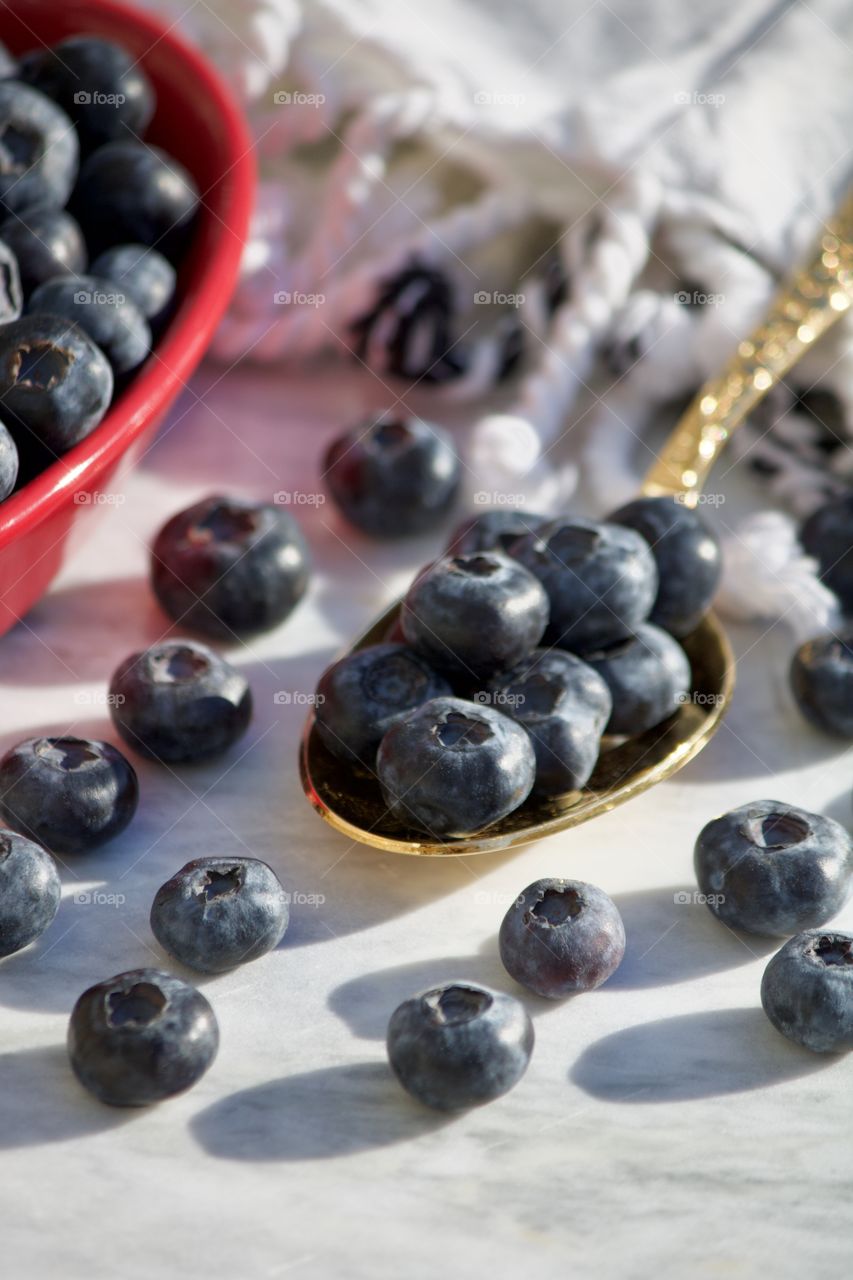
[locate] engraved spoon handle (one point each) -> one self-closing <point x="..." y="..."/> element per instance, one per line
<point x="813" y="299"/>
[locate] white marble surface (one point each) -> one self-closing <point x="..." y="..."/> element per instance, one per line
<point x="663" y="1128"/>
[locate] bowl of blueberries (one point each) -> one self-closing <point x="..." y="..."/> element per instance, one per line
<point x="120" y="242"/>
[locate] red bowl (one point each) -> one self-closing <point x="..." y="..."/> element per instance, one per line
<point x="198" y="122"/>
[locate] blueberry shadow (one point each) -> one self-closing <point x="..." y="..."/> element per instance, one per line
<point x="692" y="1056"/>
<point x="42" y="1102"/>
<point x="118" y="616"/>
<point x="314" y="1115"/>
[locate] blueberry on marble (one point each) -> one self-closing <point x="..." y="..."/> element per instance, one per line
<point x="100" y="85"/>
<point x="179" y="702"/>
<point x="68" y="794"/>
<point x="807" y="991"/>
<point x="143" y="273"/>
<point x="39" y="151"/>
<point x="771" y="868"/>
<point x="217" y="913"/>
<point x="228" y="566"/>
<point x="828" y="536"/>
<point x="648" y="676"/>
<point x="459" y="1045"/>
<point x="11" y="289"/>
<point x="110" y="318"/>
<point x="688" y="558"/>
<point x="560" y="937"/>
<point x="141" y="1037"/>
<point x="564" y="705"/>
<point x="601" y="579"/>
<point x="362" y="695"/>
<point x="492" y="531"/>
<point x="393" y="479"/>
<point x="55" y="383"/>
<point x="474" y="615"/>
<point x="128" y="192"/>
<point x="452" y="768"/>
<point x="30" y="890"/>
<point x="46" y="242"/>
<point x="9" y="462"/>
<point x="822" y="682"/>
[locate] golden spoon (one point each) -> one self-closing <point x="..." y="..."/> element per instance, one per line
<point x="813" y="299"/>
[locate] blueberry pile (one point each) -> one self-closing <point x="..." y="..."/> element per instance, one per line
<point x="93" y="221"/>
<point x="515" y="653"/>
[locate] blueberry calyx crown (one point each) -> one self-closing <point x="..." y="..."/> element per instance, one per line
<point x="555" y="907"/>
<point x="476" y="566"/>
<point x="67" y="754"/>
<point x="458" y="731"/>
<point x="390" y="435"/>
<point x="40" y="365"/>
<point x="218" y="884"/>
<point x="178" y="662"/>
<point x="776" y="830"/>
<point x="136" y="1006"/>
<point x="832" y="949"/>
<point x="226" y="522"/>
<point x="456" y="1005"/>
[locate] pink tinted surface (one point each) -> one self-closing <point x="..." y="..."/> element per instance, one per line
<point x="198" y="122"/>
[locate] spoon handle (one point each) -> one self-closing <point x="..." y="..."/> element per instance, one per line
<point x="810" y="302"/>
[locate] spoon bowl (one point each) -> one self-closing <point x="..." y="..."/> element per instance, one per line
<point x="350" y="800"/>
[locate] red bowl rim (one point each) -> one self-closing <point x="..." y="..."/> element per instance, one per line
<point x="182" y="345"/>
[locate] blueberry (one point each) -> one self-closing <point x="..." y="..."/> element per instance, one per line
<point x="55" y="384"/>
<point x="452" y="768"/>
<point x="822" y="682"/>
<point x="648" y="676"/>
<point x="111" y="319"/>
<point x="564" y="705"/>
<point x="393" y="479"/>
<point x="360" y="697"/>
<point x="773" y="869"/>
<point x="828" y="536"/>
<point x="228" y="566"/>
<point x="130" y="192"/>
<point x="39" y="152"/>
<point x="30" y="890"/>
<point x="601" y="579"/>
<point x="560" y="937"/>
<point x="144" y="274"/>
<point x="217" y="913"/>
<point x="46" y="242"/>
<point x="459" y="1045"/>
<point x="474" y="615"/>
<point x="140" y="1037"/>
<point x="69" y="794"/>
<point x="100" y="85"/>
<point x="688" y="557"/>
<point x="11" y="290"/>
<point x="179" y="701"/>
<point x="807" y="991"/>
<point x="9" y="463"/>
<point x="492" y="531"/>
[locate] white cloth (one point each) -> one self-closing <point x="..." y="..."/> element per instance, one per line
<point x="671" y="153"/>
